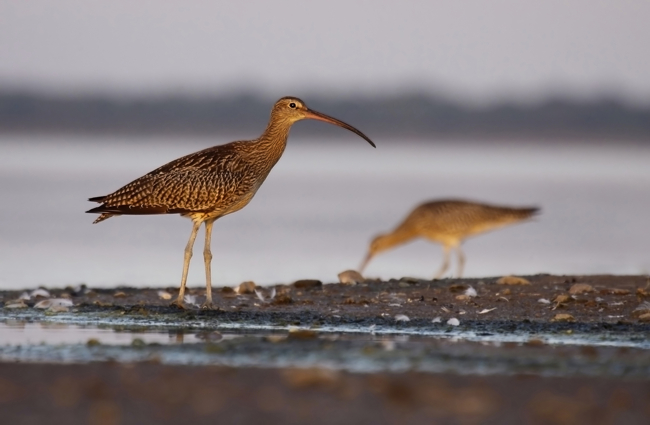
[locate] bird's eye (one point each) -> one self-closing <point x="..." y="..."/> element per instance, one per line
<point x="292" y="105"/>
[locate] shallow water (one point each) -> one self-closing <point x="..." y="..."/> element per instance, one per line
<point x="318" y="209"/>
<point x="347" y="349"/>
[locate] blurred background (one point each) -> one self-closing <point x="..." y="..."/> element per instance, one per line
<point x="507" y="102"/>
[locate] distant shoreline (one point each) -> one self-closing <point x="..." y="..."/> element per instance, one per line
<point x="409" y="116"/>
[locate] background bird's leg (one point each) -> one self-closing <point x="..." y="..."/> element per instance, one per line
<point x="207" y="257"/>
<point x="186" y="264"/>
<point x="445" y="263"/>
<point x="461" y="261"/>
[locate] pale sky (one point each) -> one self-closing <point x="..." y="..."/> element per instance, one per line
<point x="478" y="50"/>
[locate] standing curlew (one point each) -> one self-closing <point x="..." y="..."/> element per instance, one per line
<point x="213" y="182"/>
<point x="448" y="222"/>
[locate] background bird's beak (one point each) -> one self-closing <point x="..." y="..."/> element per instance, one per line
<point x="313" y="115"/>
<point x="365" y="262"/>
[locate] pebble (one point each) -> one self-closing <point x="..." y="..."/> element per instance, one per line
<point x="402" y="318"/>
<point x="164" y="295"/>
<point x="581" y="288"/>
<point x="543" y="301"/>
<point x="563" y="317"/>
<point x="512" y="280"/>
<point x="350" y="277"/>
<point x="247" y="287"/>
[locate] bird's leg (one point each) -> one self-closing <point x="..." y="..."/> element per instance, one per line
<point x="186" y="264"/>
<point x="207" y="257"/>
<point x="461" y="261"/>
<point x="445" y="263"/>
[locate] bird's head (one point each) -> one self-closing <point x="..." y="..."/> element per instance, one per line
<point x="291" y="109"/>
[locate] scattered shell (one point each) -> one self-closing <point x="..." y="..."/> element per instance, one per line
<point x="453" y="322"/>
<point x="24" y="296"/>
<point x="40" y="292"/>
<point x="462" y="297"/>
<point x="644" y="317"/>
<point x="165" y="295"/>
<point x="350" y="277"/>
<point x="402" y="318"/>
<point x="190" y="299"/>
<point x="247" y="287"/>
<point x="445" y="309"/>
<point x="119" y="294"/>
<point x="643" y="308"/>
<point x="261" y="297"/>
<point x="58" y="309"/>
<point x="470" y="292"/>
<point x="563" y="317"/>
<point x="16" y="304"/>
<point x="436" y="320"/>
<point x="512" y="280"/>
<point x="543" y="301"/>
<point x="486" y="310"/>
<point x="53" y="303"/>
<point x="580" y="288"/>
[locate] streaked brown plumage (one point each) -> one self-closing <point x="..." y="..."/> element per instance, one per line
<point x="448" y="222"/>
<point x="213" y="182"/>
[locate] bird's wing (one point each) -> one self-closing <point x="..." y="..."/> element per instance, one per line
<point x="202" y="181"/>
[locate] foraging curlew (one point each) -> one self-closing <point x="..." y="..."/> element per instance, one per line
<point x="213" y="182"/>
<point x="448" y="222"/>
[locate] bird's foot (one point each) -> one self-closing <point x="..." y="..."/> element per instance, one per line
<point x="208" y="306"/>
<point x="178" y="304"/>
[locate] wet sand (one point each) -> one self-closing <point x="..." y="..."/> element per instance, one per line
<point x="541" y="375"/>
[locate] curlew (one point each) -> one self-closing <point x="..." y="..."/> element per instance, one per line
<point x="211" y="183"/>
<point x="449" y="223"/>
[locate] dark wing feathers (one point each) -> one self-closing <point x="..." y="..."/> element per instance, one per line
<point x="201" y="181"/>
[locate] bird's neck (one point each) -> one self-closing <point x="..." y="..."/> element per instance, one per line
<point x="274" y="140"/>
<point x="397" y="237"/>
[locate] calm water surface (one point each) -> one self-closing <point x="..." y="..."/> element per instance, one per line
<point x="318" y="209"/>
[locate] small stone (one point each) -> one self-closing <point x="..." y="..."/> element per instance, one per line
<point x="247" y="287"/>
<point x="119" y="294"/>
<point x="462" y="297"/>
<point x="436" y="320"/>
<point x="457" y="288"/>
<point x="580" y="288"/>
<point x="350" y="277"/>
<point x="164" y="295"/>
<point x="543" y="301"/>
<point x="453" y="322"/>
<point x="307" y="283"/>
<point x="563" y="317"/>
<point x="644" y="317"/>
<point x="562" y="299"/>
<point x="297" y="333"/>
<point x="512" y="280"/>
<point x="92" y="342"/>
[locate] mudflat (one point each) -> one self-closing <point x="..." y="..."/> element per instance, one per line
<point x="535" y="349"/>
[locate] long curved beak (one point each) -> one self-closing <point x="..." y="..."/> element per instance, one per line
<point x="314" y="115"/>
<point x="365" y="262"/>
